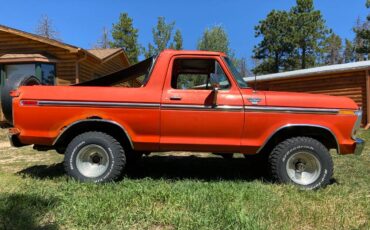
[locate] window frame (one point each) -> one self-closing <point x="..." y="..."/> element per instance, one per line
<point x="38" y="70"/>
<point x="225" y="60"/>
<point x="37" y="73"/>
<point x="215" y="59"/>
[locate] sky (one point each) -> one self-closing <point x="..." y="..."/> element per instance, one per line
<point x="81" y="22"/>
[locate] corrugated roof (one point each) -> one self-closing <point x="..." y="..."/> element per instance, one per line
<point x="354" y="66"/>
<point x="105" y="53"/>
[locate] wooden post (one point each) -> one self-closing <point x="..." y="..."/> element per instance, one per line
<point x="79" y="60"/>
<point x="77" y="79"/>
<point x="2" y="81"/>
<point x="367" y="99"/>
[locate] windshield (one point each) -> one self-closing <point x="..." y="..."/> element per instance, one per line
<point x="238" y="77"/>
<point x="134" y="76"/>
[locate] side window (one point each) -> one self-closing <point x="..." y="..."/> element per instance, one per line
<point x="219" y="77"/>
<point x="192" y="81"/>
<point x="198" y="74"/>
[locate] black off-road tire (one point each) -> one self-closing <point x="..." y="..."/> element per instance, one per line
<point x="105" y="145"/>
<point x="14" y="83"/>
<point x="288" y="155"/>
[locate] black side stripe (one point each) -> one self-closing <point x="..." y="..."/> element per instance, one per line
<point x="271" y="109"/>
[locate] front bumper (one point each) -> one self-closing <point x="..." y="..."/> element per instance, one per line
<point x="360" y="144"/>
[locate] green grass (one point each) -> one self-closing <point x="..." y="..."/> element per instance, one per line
<point x="184" y="192"/>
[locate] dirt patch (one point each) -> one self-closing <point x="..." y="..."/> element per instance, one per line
<point x="14" y="159"/>
<point x="4" y="144"/>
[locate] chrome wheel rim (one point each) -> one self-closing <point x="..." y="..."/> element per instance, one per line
<point x="92" y="161"/>
<point x="303" y="168"/>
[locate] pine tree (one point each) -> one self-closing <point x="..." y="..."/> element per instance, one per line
<point x="308" y="31"/>
<point x="276" y="47"/>
<point x="332" y="50"/>
<point x="150" y="52"/>
<point x="241" y="66"/>
<point x="290" y="39"/>
<point x="162" y="35"/>
<point x="103" y="42"/>
<point x="360" y="42"/>
<point x="45" y="28"/>
<point x="215" y="39"/>
<point x="125" y="36"/>
<point x="349" y="52"/>
<point x="177" y="41"/>
<point x="362" y="38"/>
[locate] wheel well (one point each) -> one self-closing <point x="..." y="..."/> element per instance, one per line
<point x="322" y="134"/>
<point x="108" y="127"/>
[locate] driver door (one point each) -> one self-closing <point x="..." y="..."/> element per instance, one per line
<point x="194" y="116"/>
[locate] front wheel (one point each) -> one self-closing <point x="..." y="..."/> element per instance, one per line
<point x="302" y="161"/>
<point x="94" y="157"/>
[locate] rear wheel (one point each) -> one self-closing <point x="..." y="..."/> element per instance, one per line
<point x="94" y="157"/>
<point x="302" y="161"/>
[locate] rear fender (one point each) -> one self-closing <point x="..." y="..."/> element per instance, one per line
<point x="95" y="124"/>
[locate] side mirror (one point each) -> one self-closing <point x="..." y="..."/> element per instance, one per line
<point x="215" y="83"/>
<point x="214" y="94"/>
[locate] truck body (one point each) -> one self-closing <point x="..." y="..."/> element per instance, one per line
<point x="187" y="101"/>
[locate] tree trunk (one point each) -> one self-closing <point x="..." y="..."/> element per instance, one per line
<point x="276" y="67"/>
<point x="303" y="58"/>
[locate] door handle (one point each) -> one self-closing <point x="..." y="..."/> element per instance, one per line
<point x="175" y="98"/>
